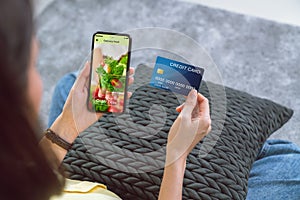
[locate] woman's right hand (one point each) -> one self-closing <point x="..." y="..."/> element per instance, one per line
<point x="191" y="125"/>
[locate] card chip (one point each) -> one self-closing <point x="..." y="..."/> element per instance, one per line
<point x="160" y="71"/>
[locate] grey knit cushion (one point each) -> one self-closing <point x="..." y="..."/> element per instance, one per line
<point x="126" y="152"/>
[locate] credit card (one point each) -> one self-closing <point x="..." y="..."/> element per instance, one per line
<point x="176" y="76"/>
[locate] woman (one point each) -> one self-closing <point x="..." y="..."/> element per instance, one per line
<point x="27" y="171"/>
<point x="22" y="162"/>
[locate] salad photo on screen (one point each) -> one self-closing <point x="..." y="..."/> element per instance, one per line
<point x="108" y="78"/>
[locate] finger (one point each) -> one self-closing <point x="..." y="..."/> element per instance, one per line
<point x="196" y="112"/>
<point x="129" y="94"/>
<point x="83" y="77"/>
<point x="130" y="80"/>
<point x="131" y="71"/>
<point x="190" y="103"/>
<point x="179" y="108"/>
<point x="203" y="105"/>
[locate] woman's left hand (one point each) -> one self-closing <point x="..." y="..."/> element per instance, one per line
<point x="75" y="116"/>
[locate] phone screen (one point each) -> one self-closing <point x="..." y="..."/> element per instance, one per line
<point x="109" y="72"/>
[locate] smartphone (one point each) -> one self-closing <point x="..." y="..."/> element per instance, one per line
<point x="109" y="71"/>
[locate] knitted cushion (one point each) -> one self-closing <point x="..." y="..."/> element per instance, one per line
<point x="127" y="152"/>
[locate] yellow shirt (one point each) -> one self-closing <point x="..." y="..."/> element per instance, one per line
<point x="85" y="190"/>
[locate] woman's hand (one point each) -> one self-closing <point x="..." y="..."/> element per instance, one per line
<point x="75" y="116"/>
<point x="191" y="125"/>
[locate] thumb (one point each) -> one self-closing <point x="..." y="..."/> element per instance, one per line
<point x="179" y="108"/>
<point x="190" y="103"/>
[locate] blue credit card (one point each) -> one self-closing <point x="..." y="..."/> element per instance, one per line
<point x="176" y="76"/>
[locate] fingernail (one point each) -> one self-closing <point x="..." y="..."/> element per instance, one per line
<point x="193" y="92"/>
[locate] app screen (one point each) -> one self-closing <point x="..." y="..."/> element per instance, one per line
<point x="109" y="68"/>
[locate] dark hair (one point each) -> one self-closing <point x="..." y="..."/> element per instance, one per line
<point x="25" y="170"/>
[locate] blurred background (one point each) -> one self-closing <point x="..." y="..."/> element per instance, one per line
<point x="255" y="44"/>
<point x="284" y="11"/>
